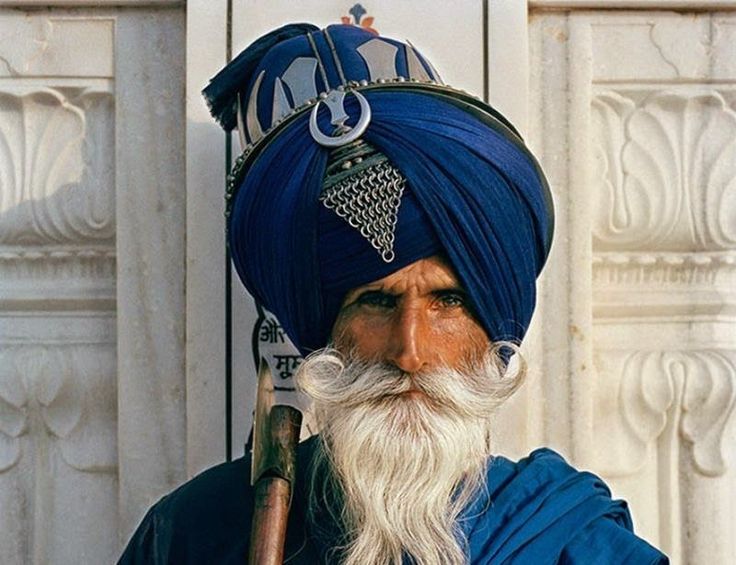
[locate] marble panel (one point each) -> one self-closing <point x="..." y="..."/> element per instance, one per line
<point x="643" y="166"/>
<point x="55" y="45"/>
<point x="58" y="456"/>
<point x="151" y="237"/>
<point x="206" y="263"/>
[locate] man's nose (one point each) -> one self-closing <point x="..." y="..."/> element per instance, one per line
<point x="409" y="345"/>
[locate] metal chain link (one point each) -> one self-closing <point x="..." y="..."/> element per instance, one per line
<point x="369" y="201"/>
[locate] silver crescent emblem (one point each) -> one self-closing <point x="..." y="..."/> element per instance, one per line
<point x="343" y="134"/>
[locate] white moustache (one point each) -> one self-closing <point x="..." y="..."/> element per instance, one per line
<point x="406" y="464"/>
<point x="348" y="384"/>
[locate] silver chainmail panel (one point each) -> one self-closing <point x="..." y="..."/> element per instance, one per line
<point x="369" y="201"/>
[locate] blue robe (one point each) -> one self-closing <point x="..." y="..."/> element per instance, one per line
<point x="538" y="511"/>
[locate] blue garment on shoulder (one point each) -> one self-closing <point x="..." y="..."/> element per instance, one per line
<point x="542" y="510"/>
<point x="537" y="511"/>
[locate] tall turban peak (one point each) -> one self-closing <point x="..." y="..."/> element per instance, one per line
<point x="473" y="193"/>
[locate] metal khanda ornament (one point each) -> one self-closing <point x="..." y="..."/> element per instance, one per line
<point x="293" y="89"/>
<point x="342" y="134"/>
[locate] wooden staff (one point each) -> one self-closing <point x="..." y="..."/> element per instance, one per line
<point x="275" y="437"/>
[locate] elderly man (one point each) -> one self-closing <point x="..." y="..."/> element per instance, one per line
<point x="396" y="227"/>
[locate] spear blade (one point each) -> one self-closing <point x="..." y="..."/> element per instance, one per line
<point x="261" y="422"/>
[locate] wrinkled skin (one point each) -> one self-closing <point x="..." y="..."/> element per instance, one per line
<point x="416" y="319"/>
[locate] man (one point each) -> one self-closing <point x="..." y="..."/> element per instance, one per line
<point x="396" y="227"/>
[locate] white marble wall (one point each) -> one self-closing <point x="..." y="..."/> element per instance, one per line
<point x="634" y="116"/>
<point x="151" y="275"/>
<point x="91" y="275"/>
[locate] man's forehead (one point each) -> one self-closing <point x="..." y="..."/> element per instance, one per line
<point x="431" y="273"/>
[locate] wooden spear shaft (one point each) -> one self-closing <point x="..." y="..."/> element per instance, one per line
<point x="273" y="489"/>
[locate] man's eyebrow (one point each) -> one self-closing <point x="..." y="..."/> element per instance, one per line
<point x="372" y="287"/>
<point x="457" y="291"/>
<point x="450" y="288"/>
<point x="440" y="289"/>
<point x="356" y="293"/>
<point x="375" y="290"/>
<point x="369" y="288"/>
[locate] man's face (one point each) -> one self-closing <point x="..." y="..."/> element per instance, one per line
<point x="403" y="409"/>
<point x="416" y="319"/>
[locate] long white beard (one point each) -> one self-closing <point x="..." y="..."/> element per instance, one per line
<point x="406" y="465"/>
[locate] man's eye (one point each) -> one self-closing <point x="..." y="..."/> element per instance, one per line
<point x="452" y="300"/>
<point x="375" y="299"/>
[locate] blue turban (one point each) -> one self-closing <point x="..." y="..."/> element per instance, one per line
<point x="474" y="193"/>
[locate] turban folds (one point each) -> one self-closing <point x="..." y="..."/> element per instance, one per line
<point x="473" y="192"/>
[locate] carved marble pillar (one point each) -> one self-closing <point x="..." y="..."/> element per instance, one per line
<point x="635" y="116"/>
<point x="72" y="84"/>
<point x="151" y="240"/>
<point x="57" y="322"/>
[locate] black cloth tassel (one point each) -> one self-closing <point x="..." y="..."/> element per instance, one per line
<point x="221" y="94"/>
